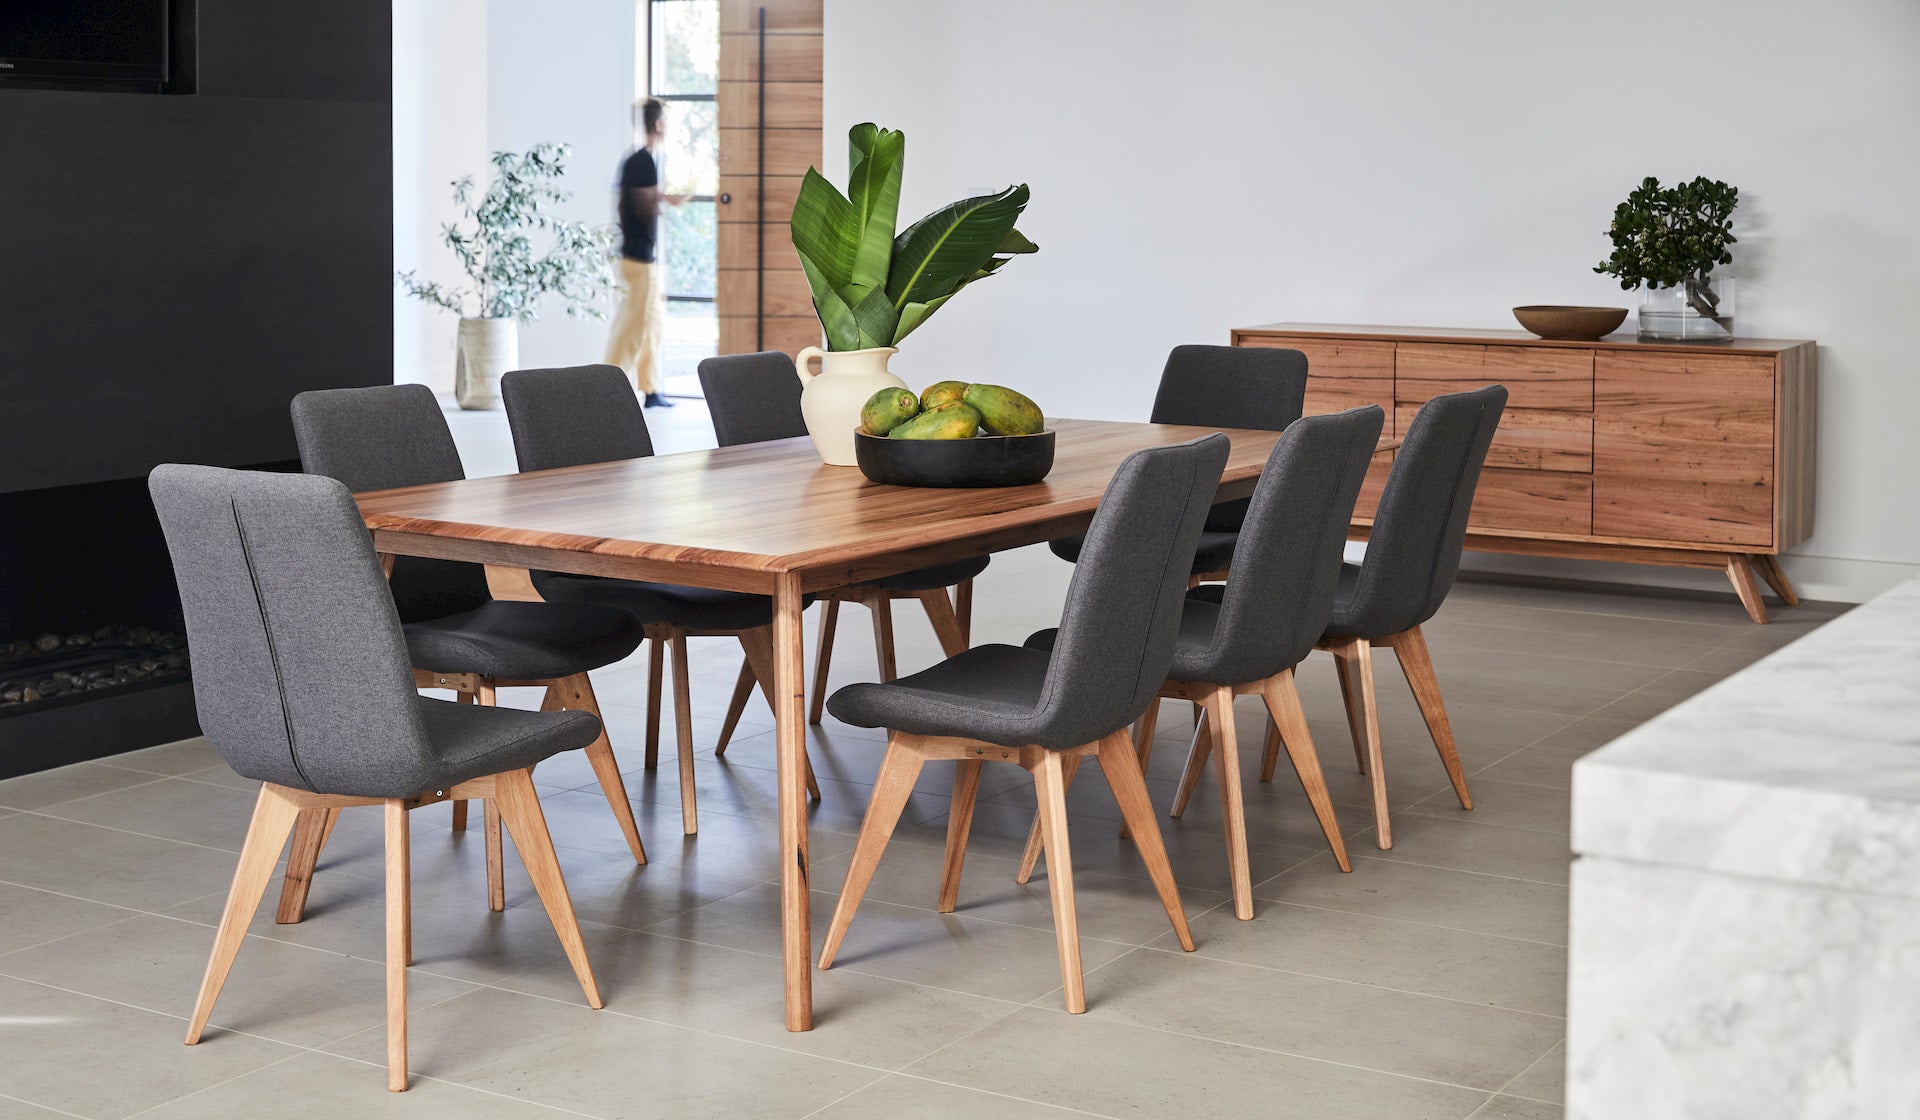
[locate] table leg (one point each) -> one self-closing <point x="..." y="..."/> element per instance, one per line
<point x="790" y="720"/>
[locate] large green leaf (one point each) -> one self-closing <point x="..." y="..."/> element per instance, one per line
<point x="836" y="318"/>
<point x="876" y="158"/>
<point x="824" y="228"/>
<point x="874" y="318"/>
<point x="934" y="256"/>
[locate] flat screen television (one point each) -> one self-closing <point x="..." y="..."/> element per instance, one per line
<point x="84" y="40"/>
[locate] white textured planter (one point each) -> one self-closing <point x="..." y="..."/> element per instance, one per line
<point x="483" y="350"/>
<point x="832" y="399"/>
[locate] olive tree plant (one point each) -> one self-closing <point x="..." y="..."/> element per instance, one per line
<point x="1673" y="237"/>
<point x="493" y="243"/>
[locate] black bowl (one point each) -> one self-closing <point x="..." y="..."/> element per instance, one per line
<point x="978" y="462"/>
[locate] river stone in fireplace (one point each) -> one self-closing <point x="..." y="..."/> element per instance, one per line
<point x="51" y="666"/>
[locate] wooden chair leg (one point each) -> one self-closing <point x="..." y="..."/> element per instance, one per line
<point x="1143" y="733"/>
<point x="898" y="771"/>
<point x="1270" y="754"/>
<point x="399" y="940"/>
<point x="1776" y="577"/>
<point x="1290" y="727"/>
<point x="520" y="805"/>
<point x="496" y="870"/>
<point x="1197" y="753"/>
<point x="656" y="664"/>
<point x="683" y="729"/>
<point x="758" y="646"/>
<point x="326" y="834"/>
<point x="577" y="692"/>
<point x="966" y="789"/>
<point x="1360" y="660"/>
<point x="459" y="806"/>
<point x="1741" y="574"/>
<point x="1233" y="811"/>
<point x="1350" y="699"/>
<point x="946" y="627"/>
<point x="963" y="610"/>
<point x="736" y="706"/>
<point x="273" y="818"/>
<point x="822" y="657"/>
<point x="882" y="608"/>
<point x="1129" y="785"/>
<point x="1036" y="836"/>
<point x="1411" y="649"/>
<point x="309" y="830"/>
<point x="1050" y="780"/>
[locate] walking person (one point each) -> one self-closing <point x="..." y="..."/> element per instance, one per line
<point x="634" y="344"/>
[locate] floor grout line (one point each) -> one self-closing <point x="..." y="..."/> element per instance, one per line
<point x="37" y="1104"/>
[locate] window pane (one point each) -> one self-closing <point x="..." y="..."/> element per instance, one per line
<point x="686" y="46"/>
<point x="690" y="155"/>
<point x="688" y="247"/>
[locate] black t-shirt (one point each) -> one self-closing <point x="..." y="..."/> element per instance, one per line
<point x="637" y="229"/>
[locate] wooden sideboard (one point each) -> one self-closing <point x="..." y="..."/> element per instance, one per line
<point x="1698" y="455"/>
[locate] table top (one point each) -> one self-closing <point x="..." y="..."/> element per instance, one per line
<point x="736" y="517"/>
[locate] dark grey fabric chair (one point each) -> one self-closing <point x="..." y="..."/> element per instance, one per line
<point x="1246" y="637"/>
<point x="577" y="415"/>
<point x="458" y="636"/>
<point x="756" y="397"/>
<point x="1041" y="707"/>
<point x="1413" y="553"/>
<point x="1222" y="387"/>
<point x="302" y="680"/>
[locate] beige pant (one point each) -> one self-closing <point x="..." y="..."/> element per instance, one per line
<point x="634" y="344"/>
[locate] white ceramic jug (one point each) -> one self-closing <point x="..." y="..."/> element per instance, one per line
<point x="832" y="398"/>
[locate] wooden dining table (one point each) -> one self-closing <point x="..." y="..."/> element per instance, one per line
<point x="770" y="518"/>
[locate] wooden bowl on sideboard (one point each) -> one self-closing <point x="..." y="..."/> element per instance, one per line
<point x="979" y="461"/>
<point x="1570" y="324"/>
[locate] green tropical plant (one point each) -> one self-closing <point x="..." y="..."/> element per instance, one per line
<point x="492" y="242"/>
<point x="1670" y="237"/>
<point x="872" y="287"/>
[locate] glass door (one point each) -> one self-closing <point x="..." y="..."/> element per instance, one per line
<point x="683" y="70"/>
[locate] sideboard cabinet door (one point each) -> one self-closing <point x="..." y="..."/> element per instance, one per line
<point x="1683" y="447"/>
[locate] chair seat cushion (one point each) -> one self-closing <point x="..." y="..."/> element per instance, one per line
<point x="933" y="578"/>
<point x="471" y="741"/>
<point x="1214" y="552"/>
<point x="690" y="608"/>
<point x="989" y="692"/>
<point x="1347" y="621"/>
<point x="523" y="641"/>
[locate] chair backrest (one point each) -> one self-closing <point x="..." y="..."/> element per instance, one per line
<point x="1413" y="551"/>
<point x="1122" y="612"/>
<point x="752" y="397"/>
<point x="1231" y="387"/>
<point x="573" y="415"/>
<point x="379" y="438"/>
<point x="299" y="670"/>
<point x="1286" y="566"/>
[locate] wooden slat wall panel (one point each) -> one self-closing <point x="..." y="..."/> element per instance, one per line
<point x="792" y="140"/>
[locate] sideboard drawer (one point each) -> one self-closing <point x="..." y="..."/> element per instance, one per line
<point x="1539" y="501"/>
<point x="1341" y="374"/>
<point x="1683" y="448"/>
<point x="1535" y="376"/>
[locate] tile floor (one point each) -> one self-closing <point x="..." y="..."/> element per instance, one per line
<point x="1428" y="984"/>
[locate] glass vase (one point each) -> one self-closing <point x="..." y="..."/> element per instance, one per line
<point x="1698" y="309"/>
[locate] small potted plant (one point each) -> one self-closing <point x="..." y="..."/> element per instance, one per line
<point x="872" y="288"/>
<point x="508" y="281"/>
<point x="1667" y="241"/>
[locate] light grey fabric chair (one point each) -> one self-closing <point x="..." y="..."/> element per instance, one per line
<point x="1222" y="387"/>
<point x="458" y="635"/>
<point x="1246" y="637"/>
<point x="1041" y="707"/>
<point x="756" y="397"/>
<point x="301" y="677"/>
<point x="577" y="415"/>
<point x="1413" y="553"/>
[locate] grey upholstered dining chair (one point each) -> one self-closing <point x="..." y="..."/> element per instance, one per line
<point x="1263" y="388"/>
<point x="1413" y="553"/>
<point x="756" y="397"/>
<point x="576" y="415"/>
<point x="1040" y="708"/>
<point x="301" y="676"/>
<point x="458" y="635"/>
<point x="1246" y="637"/>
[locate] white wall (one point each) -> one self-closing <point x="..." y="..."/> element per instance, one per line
<point x="1211" y="164"/>
<point x="472" y="77"/>
<point x="439" y="134"/>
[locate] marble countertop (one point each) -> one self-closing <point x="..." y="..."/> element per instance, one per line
<point x="1804" y="767"/>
